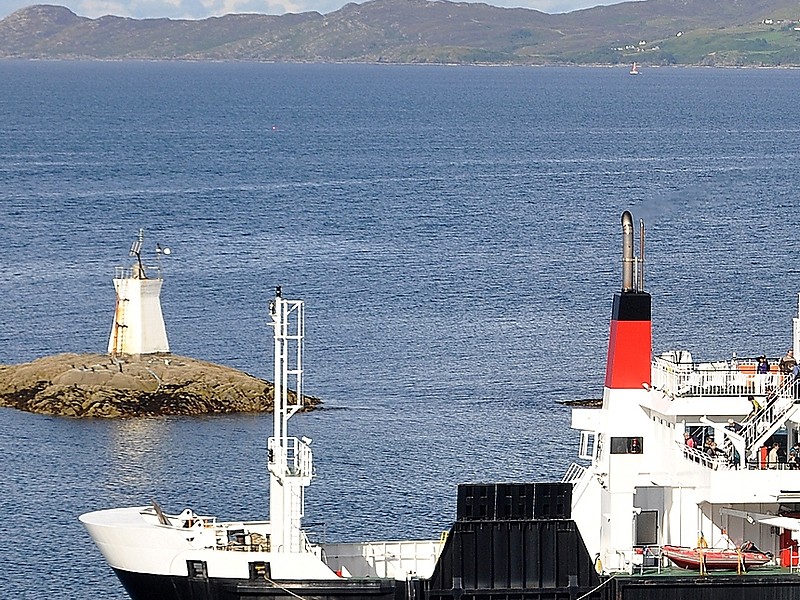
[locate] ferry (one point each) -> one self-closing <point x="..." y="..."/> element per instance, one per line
<point x="672" y="495"/>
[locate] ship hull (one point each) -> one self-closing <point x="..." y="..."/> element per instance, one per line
<point x="693" y="587"/>
<point x="767" y="587"/>
<point x="528" y="549"/>
<point x="146" y="586"/>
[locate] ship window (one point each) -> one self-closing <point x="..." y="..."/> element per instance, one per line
<point x="588" y="439"/>
<point x="626" y="445"/>
<point x="197" y="569"/>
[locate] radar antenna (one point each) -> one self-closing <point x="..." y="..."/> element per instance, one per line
<point x="136" y="250"/>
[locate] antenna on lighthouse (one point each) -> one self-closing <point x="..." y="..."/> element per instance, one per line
<point x="136" y="250"/>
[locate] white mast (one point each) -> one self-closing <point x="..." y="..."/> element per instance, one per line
<point x="796" y="330"/>
<point x="138" y="326"/>
<point x="289" y="458"/>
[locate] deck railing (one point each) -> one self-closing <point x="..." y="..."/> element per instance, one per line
<point x="703" y="458"/>
<point x="735" y="377"/>
<point x="573" y="474"/>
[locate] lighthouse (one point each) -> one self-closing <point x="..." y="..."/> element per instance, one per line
<point x="138" y="326"/>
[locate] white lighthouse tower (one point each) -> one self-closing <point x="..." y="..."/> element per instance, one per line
<point x="138" y="326"/>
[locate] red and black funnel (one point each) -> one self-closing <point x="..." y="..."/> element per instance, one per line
<point x="630" y="340"/>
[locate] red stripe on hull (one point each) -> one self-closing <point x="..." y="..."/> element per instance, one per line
<point x="629" y="354"/>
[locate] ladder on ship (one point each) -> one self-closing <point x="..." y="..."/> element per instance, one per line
<point x="758" y="427"/>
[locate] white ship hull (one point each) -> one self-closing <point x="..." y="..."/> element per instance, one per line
<point x="186" y="549"/>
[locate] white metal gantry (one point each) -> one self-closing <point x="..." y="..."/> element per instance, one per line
<point x="289" y="458"/>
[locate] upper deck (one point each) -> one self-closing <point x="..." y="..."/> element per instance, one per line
<point x="677" y="375"/>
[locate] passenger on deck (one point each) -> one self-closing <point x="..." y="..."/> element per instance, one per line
<point x="733" y="426"/>
<point x="762" y="372"/>
<point x="734" y="455"/>
<point x="688" y="440"/>
<point x="713" y="451"/>
<point x="787" y="363"/>
<point x="756" y="406"/>
<point x="793" y="462"/>
<point x="772" y="457"/>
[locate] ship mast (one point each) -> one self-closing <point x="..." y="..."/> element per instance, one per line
<point x="289" y="458"/>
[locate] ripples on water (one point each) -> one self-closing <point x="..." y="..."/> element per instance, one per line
<point x="454" y="231"/>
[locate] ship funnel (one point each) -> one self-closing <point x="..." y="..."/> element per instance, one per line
<point x="630" y="339"/>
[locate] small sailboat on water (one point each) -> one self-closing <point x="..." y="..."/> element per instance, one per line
<point x="634" y="69"/>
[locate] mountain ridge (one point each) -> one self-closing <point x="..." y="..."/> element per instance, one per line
<point x="663" y="32"/>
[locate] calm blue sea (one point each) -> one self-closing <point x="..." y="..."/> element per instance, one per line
<point x="454" y="232"/>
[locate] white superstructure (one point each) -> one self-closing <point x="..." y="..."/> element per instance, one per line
<point x="643" y="487"/>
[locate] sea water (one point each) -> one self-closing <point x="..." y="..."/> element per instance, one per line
<point x="455" y="233"/>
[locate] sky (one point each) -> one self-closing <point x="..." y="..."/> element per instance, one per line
<point x="200" y="9"/>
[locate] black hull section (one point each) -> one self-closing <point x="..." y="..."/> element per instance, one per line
<point x="141" y="586"/>
<point x="533" y="560"/>
<point x="514" y="542"/>
<point x="688" y="587"/>
<point x="715" y="587"/>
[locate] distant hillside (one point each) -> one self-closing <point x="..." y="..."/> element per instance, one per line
<point x="707" y="32"/>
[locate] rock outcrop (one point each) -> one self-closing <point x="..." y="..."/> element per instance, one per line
<point x="97" y="385"/>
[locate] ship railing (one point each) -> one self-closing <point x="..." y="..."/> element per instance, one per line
<point x="647" y="558"/>
<point x="399" y="560"/>
<point x="136" y="272"/>
<point x="316" y="532"/>
<point x="299" y="458"/>
<point x="123" y="273"/>
<point x="306" y="544"/>
<point x="736" y="377"/>
<point x="704" y="459"/>
<point x="757" y="464"/>
<point x="724" y="461"/>
<point x="573" y="474"/>
<point x="303" y="461"/>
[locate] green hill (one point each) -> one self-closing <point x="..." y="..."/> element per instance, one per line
<point x="688" y="32"/>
